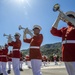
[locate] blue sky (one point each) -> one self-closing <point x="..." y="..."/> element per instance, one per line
<point x="29" y="12"/>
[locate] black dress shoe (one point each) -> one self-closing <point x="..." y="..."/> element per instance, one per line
<point x="21" y="69"/>
<point x="29" y="67"/>
<point x="9" y="71"/>
<point x="1" y="73"/>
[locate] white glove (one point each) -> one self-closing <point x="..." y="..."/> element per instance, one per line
<point x="62" y="17"/>
<point x="24" y="35"/>
<point x="25" y="32"/>
<point x="9" y="39"/>
<point x="3" y="47"/>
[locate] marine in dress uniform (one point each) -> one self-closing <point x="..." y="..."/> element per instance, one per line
<point x="60" y="59"/>
<point x="55" y="59"/>
<point x="9" y="62"/>
<point x="28" y="62"/>
<point x="1" y="61"/>
<point x="35" y="43"/>
<point x="15" y="52"/>
<point x="44" y="58"/>
<point x="68" y="39"/>
<point x="4" y="59"/>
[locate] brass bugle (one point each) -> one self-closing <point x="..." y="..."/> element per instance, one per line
<point x="7" y="35"/>
<point x="20" y="27"/>
<point x="56" y="7"/>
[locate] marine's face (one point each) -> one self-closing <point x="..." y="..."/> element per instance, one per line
<point x="17" y="36"/>
<point x="36" y="31"/>
<point x="6" y="46"/>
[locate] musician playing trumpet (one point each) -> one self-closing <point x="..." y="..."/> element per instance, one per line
<point x="16" y="52"/>
<point x="68" y="39"/>
<point x="35" y="43"/>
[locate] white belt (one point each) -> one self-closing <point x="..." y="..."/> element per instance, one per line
<point x="15" y="49"/>
<point x="0" y="55"/>
<point x="68" y="41"/>
<point x="35" y="47"/>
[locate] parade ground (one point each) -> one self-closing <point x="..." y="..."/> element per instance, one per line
<point x="55" y="71"/>
<point x="50" y="69"/>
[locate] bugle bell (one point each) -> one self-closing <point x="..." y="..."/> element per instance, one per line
<point x="56" y="7"/>
<point x="7" y="35"/>
<point x="20" y="27"/>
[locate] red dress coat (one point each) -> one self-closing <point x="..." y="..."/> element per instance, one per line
<point x="68" y="48"/>
<point x="10" y="57"/>
<point x="27" y="58"/>
<point x="4" y="55"/>
<point x="35" y="43"/>
<point x="44" y="58"/>
<point x="21" y="57"/>
<point x="55" y="58"/>
<point x="16" y="48"/>
<point x="0" y="55"/>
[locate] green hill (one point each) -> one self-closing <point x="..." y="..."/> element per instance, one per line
<point x="48" y="49"/>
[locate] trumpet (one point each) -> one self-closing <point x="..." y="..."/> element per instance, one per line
<point x="20" y="27"/>
<point x="7" y="35"/>
<point x="56" y="7"/>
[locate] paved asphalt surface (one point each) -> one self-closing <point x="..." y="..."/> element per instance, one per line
<point x="56" y="71"/>
<point x="50" y="69"/>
